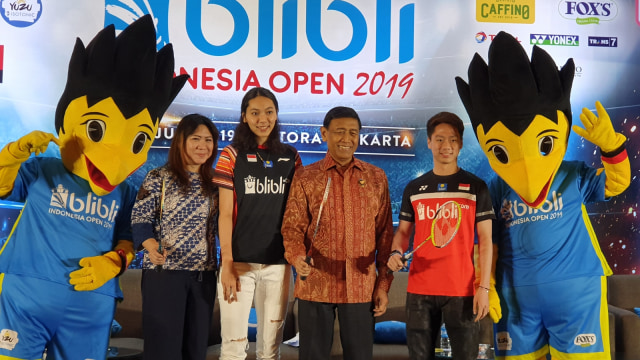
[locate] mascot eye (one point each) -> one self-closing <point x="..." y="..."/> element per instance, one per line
<point x="95" y="130"/>
<point x="500" y="152"/>
<point x="545" y="145"/>
<point x="139" y="142"/>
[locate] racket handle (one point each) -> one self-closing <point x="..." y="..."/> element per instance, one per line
<point x="307" y="259"/>
<point x="404" y="259"/>
<point x="160" y="250"/>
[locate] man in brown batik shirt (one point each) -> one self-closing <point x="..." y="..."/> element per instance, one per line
<point x="349" y="249"/>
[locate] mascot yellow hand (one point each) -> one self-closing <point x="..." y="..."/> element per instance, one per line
<point x="495" y="311"/>
<point x="17" y="152"/>
<point x="598" y="129"/>
<point x="97" y="270"/>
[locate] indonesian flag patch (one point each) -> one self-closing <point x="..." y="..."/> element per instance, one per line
<point x="464" y="187"/>
<point x="252" y="158"/>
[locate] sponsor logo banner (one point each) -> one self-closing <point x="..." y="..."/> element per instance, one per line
<point x="21" y="13"/>
<point x="603" y="41"/>
<point x="498" y="11"/>
<point x="588" y="12"/>
<point x="554" y="39"/>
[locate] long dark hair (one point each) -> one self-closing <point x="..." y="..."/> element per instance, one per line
<point x="176" y="162"/>
<point x="243" y="138"/>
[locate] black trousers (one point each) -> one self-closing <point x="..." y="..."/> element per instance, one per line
<point x="315" y="320"/>
<point x="425" y="314"/>
<point x="177" y="307"/>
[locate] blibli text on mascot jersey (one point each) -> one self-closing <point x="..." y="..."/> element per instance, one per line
<point x="82" y="207"/>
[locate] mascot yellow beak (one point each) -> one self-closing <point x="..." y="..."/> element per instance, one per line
<point x="101" y="146"/>
<point x="529" y="162"/>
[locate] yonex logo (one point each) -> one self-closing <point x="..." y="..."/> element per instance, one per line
<point x="423" y="187"/>
<point x="553" y="39"/>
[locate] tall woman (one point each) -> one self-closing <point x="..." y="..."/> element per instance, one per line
<point x="174" y="219"/>
<point x="254" y="174"/>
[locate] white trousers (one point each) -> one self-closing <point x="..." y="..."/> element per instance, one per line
<point x="267" y="287"/>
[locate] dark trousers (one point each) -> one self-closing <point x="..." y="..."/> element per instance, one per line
<point x="425" y="314"/>
<point x="177" y="307"/>
<point x="315" y="320"/>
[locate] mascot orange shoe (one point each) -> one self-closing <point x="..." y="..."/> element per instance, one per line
<point x="550" y="271"/>
<point x="58" y="267"/>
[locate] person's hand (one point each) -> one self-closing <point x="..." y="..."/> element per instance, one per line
<point x="156" y="258"/>
<point x="380" y="302"/>
<point x="395" y="262"/>
<point x="302" y="267"/>
<point x="599" y="130"/>
<point x="481" y="303"/>
<point x="230" y="282"/>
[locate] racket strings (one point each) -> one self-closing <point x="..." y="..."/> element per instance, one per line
<point x="446" y="225"/>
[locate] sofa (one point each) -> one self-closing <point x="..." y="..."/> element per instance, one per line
<point x="623" y="295"/>
<point x="129" y="316"/>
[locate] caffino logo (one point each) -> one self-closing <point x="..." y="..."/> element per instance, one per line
<point x="586" y="13"/>
<point x="21" y="13"/>
<point x="501" y="11"/>
<point x="89" y="208"/>
<point x="253" y="185"/>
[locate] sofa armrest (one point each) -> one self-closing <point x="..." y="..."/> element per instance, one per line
<point x="627" y="328"/>
<point x="129" y="312"/>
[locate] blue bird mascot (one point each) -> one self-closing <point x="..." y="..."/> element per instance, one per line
<point x="59" y="266"/>
<point x="550" y="270"/>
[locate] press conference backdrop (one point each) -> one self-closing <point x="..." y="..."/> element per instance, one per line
<point x="394" y="61"/>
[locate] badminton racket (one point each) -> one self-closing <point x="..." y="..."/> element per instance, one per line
<point x="160" y="248"/>
<point x="444" y="227"/>
<point x="307" y="259"/>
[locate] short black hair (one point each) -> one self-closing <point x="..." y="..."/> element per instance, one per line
<point x="126" y="68"/>
<point x="445" y="117"/>
<point x="341" y="112"/>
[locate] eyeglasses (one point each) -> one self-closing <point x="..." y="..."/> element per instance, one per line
<point x="342" y="133"/>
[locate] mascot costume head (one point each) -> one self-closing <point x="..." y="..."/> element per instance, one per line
<point x="117" y="90"/>
<point x="521" y="114"/>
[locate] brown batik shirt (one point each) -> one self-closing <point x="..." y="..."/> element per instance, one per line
<point x="355" y="231"/>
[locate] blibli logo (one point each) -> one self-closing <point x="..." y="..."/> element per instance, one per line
<point x="517" y="212"/>
<point x="73" y="206"/>
<point x="349" y="16"/>
<point x="253" y="185"/>
<point x="313" y="18"/>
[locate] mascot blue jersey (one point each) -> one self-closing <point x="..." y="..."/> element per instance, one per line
<point x="554" y="242"/>
<point x="64" y="222"/>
